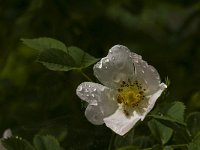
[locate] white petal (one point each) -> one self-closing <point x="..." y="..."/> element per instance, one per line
<point x="117" y="66"/>
<point x="146" y="74"/>
<point x="152" y="100"/>
<point x="120" y="123"/>
<point x="94" y="114"/>
<point x="7" y="134"/>
<point x="101" y="101"/>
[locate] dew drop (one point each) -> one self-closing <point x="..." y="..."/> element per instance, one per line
<point x="87" y="95"/>
<point x="79" y="88"/>
<point x="113" y="58"/>
<point x="136" y="61"/>
<point x="92" y="95"/>
<point x="95" y="89"/>
<point x="142" y="71"/>
<point x="107" y="60"/>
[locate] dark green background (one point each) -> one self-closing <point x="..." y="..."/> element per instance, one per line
<point x="35" y="100"/>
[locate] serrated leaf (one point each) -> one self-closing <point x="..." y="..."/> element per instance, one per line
<point x="56" y="60"/>
<point x="46" y="143"/>
<point x="161" y="132"/>
<point x="173" y="112"/>
<point x="57" y="57"/>
<point x="193" y="123"/>
<point x="195" y="144"/>
<point x="17" y="144"/>
<point x="81" y="58"/>
<point x="176" y="111"/>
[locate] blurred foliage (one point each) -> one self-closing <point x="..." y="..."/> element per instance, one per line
<point x="36" y="100"/>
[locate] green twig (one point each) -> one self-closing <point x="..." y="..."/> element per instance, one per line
<point x="112" y="142"/>
<point x="86" y="76"/>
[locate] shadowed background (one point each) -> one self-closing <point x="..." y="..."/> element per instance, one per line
<point x="36" y="100"/>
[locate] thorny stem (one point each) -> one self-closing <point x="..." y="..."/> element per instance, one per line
<point x="112" y="141"/>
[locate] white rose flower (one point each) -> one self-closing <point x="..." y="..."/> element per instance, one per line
<point x="7" y="134"/>
<point x="129" y="91"/>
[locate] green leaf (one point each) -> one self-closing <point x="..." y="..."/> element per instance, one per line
<point x="176" y="111"/>
<point x="193" y="123"/>
<point x="173" y="112"/>
<point x="157" y="147"/>
<point x="195" y="144"/>
<point x="44" y="43"/>
<point x="81" y="58"/>
<point x="46" y="143"/>
<point x="168" y="148"/>
<point x="56" y="60"/>
<point x="161" y="132"/>
<point x="17" y="144"/>
<point x="57" y="57"/>
<point x="129" y="148"/>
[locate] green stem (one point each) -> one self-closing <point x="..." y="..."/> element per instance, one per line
<point x="174" y="146"/>
<point x="86" y="76"/>
<point x="112" y="142"/>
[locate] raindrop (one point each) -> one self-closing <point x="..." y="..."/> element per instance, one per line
<point x="92" y="95"/>
<point x="142" y="71"/>
<point x="136" y="61"/>
<point x="113" y="58"/>
<point x="145" y="81"/>
<point x="79" y="88"/>
<point x="87" y="95"/>
<point x="95" y="89"/>
<point x="107" y="60"/>
<point x="89" y="86"/>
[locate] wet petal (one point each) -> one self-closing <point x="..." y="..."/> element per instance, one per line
<point x="120" y="123"/>
<point x="117" y="66"/>
<point x="146" y="74"/>
<point x="94" y="114"/>
<point x="100" y="98"/>
<point x="7" y="134"/>
<point x="152" y="100"/>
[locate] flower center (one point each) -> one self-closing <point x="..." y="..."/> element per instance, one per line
<point x="130" y="94"/>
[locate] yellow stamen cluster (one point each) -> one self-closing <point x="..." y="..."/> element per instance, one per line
<point x="130" y="94"/>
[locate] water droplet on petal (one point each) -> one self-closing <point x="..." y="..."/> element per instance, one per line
<point x="142" y="71"/>
<point x="92" y="95"/>
<point x="107" y="60"/>
<point x="79" y="89"/>
<point x="113" y="58"/>
<point x="87" y="95"/>
<point x="95" y="89"/>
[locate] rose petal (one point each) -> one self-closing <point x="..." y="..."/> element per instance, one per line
<point x="146" y="74"/>
<point x="117" y="66"/>
<point x="120" y="123"/>
<point x="152" y="100"/>
<point x="101" y="101"/>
